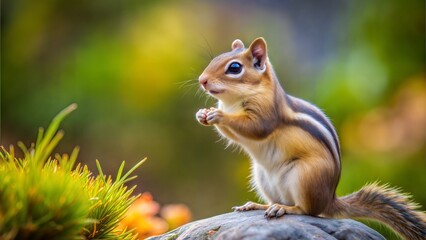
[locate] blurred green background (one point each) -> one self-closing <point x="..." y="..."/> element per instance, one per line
<point x="132" y="66"/>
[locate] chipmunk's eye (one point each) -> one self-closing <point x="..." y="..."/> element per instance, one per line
<point x="234" y="68"/>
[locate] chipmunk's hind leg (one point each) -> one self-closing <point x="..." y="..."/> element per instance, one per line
<point x="250" y="206"/>
<point x="271" y="211"/>
<point x="278" y="210"/>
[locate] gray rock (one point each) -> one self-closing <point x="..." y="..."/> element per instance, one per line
<point x="253" y="225"/>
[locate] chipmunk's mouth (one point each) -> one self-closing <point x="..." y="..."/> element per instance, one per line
<point x="212" y="90"/>
<point x="215" y="92"/>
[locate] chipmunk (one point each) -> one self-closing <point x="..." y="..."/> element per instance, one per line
<point x="293" y="147"/>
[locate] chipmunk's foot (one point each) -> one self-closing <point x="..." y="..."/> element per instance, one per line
<point x="250" y="206"/>
<point x="278" y="210"/>
<point x="275" y="211"/>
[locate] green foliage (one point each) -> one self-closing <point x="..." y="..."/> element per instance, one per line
<point x="44" y="198"/>
<point x="111" y="199"/>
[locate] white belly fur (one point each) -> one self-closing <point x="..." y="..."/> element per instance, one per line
<point x="274" y="181"/>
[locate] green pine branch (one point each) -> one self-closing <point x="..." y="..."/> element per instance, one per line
<point x="45" y="197"/>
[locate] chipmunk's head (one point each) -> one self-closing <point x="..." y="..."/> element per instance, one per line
<point x="234" y="75"/>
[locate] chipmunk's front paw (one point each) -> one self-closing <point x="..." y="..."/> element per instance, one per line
<point x="214" y="116"/>
<point x="250" y="206"/>
<point x="201" y="116"/>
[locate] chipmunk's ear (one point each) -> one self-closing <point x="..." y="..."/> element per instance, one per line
<point x="237" y="44"/>
<point x="259" y="52"/>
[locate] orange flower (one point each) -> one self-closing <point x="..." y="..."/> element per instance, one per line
<point x="150" y="226"/>
<point x="142" y="216"/>
<point x="176" y="215"/>
<point x="145" y="205"/>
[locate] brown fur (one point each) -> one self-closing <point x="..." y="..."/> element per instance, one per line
<point x="294" y="148"/>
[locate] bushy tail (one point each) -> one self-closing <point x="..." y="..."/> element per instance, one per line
<point x="385" y="204"/>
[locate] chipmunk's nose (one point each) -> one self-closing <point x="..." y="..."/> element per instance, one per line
<point x="203" y="79"/>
